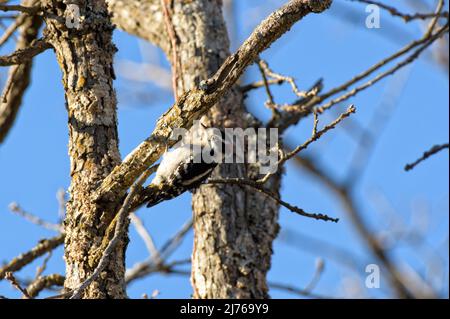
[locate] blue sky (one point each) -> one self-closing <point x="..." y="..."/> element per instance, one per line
<point x="34" y="162"/>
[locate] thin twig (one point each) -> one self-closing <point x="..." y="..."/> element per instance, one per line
<point x="316" y="124"/>
<point x="12" y="28"/>
<point x="423" y="43"/>
<point x="10" y="277"/>
<point x="259" y="84"/>
<point x="20" y="8"/>
<point x="10" y="82"/>
<point x="257" y="186"/>
<point x="146" y="237"/>
<point x="434" y="21"/>
<point x="434" y="150"/>
<point x="146" y="268"/>
<point x="406" y="17"/>
<point x="15" y="208"/>
<point x="142" y="269"/>
<point x="262" y="68"/>
<point x="296" y="291"/>
<point x="24" y="55"/>
<point x="316" y="135"/>
<point x="40" y="270"/>
<point x="385" y="74"/>
<point x="266" y="71"/>
<point x="320" y="267"/>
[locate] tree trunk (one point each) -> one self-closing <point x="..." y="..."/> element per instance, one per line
<point x="233" y="227"/>
<point x="85" y="56"/>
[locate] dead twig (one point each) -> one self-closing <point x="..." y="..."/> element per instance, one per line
<point x="257" y="186"/>
<point x="146" y="237"/>
<point x="10" y="277"/>
<point x="20" y="8"/>
<point x="15" y="208"/>
<point x="145" y="268"/>
<point x="26" y="54"/>
<point x="24" y="259"/>
<point x="434" y="150"/>
<point x="405" y="16"/>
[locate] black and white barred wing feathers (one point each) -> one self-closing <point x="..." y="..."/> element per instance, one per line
<point x="178" y="172"/>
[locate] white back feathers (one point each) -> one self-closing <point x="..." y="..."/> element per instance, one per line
<point x="185" y="167"/>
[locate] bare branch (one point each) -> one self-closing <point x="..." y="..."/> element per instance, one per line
<point x="320" y="267"/>
<point x="20" y="8"/>
<point x="146" y="237"/>
<point x="267" y="71"/>
<point x="426" y="43"/>
<point x="257" y="186"/>
<point x="152" y="265"/>
<point x="10" y="277"/>
<point x="316" y="135"/>
<point x="8" y="85"/>
<point x="19" y="75"/>
<point x="15" y="208"/>
<point x="12" y="28"/>
<point x="434" y="150"/>
<point x="296" y="291"/>
<point x="26" y="54"/>
<point x="44" y="282"/>
<point x="406" y="17"/>
<point x="263" y="68"/>
<point x="348" y="201"/>
<point x="260" y="84"/>
<point x="40" y="270"/>
<point x="24" y="259"/>
<point x="146" y="268"/>
<point x="434" y="21"/>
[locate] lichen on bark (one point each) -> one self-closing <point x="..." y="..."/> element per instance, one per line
<point x="85" y="55"/>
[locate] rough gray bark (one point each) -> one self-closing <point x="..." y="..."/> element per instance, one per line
<point x="85" y="56"/>
<point x="233" y="227"/>
<point x="20" y="75"/>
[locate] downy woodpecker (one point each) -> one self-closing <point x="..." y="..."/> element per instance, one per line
<point x="187" y="165"/>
